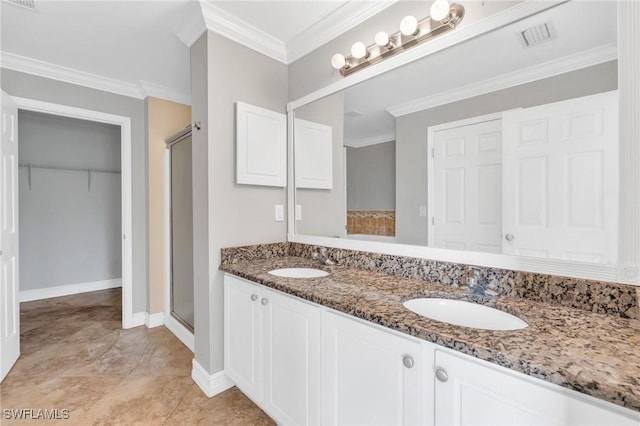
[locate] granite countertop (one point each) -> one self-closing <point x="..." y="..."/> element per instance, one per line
<point x="592" y="353"/>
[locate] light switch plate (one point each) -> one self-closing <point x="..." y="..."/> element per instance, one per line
<point x="279" y="211"/>
<point x="298" y="212"/>
<point x="422" y="211"/>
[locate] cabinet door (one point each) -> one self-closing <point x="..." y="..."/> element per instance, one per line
<point x="242" y="349"/>
<point x="477" y="393"/>
<point x="292" y="359"/>
<point x="365" y="377"/>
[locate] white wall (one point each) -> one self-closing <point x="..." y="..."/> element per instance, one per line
<point x="69" y="232"/>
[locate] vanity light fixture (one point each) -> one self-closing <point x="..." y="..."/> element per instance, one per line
<point x="443" y="17"/>
<point x="359" y="50"/>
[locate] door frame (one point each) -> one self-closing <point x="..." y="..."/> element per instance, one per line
<point x="126" y="182"/>
<point x="431" y="131"/>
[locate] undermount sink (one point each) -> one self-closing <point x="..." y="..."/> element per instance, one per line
<point x="299" y="273"/>
<point x="463" y="313"/>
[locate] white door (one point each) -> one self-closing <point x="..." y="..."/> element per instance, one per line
<point x="371" y="377"/>
<point x="466" y="188"/>
<point x="292" y="359"/>
<point x="10" y="313"/>
<point x="242" y="346"/>
<point x="561" y="180"/>
<point x="476" y="393"/>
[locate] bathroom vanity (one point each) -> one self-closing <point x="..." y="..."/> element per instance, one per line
<point x="342" y="349"/>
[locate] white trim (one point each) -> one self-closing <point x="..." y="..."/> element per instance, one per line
<point x="153" y="320"/>
<point x="148" y="88"/>
<point x="180" y="331"/>
<point x="69" y="289"/>
<point x="210" y="384"/>
<point x="548" y="69"/>
<point x="140" y="90"/>
<point x="507" y="16"/>
<point x="227" y="25"/>
<point x="193" y="29"/>
<point x="126" y="176"/>
<point x="137" y="319"/>
<point x="340" y="21"/>
<point x="166" y="232"/>
<point x="373" y="140"/>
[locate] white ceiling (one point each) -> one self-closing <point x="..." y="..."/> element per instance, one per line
<point x="135" y="47"/>
<point x="586" y="32"/>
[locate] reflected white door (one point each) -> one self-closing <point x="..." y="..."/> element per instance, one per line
<point x="466" y="199"/>
<point x="560" y="181"/>
<point x="10" y="308"/>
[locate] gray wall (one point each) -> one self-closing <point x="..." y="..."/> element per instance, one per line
<point x="371" y="177"/>
<point x="44" y="89"/>
<point x="313" y="71"/>
<point x="411" y="134"/>
<point x="68" y="234"/>
<point x="323" y="210"/>
<point x="237" y="214"/>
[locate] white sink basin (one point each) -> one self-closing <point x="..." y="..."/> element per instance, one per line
<point x="466" y="314"/>
<point x="299" y="272"/>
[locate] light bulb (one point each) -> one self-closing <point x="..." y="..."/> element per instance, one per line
<point x="409" y="25"/>
<point x="382" y="39"/>
<point x="338" y="61"/>
<point x="359" y="50"/>
<point x="439" y="10"/>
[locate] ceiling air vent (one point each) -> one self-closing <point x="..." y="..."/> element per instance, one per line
<point x="537" y="35"/>
<point x="27" y="4"/>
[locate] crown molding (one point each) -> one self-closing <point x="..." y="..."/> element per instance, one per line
<point x="192" y="30"/>
<point x="574" y="62"/>
<point x="340" y="21"/>
<point x="163" y="92"/>
<point x="44" y="69"/>
<point x="227" y="25"/>
<point x="373" y="140"/>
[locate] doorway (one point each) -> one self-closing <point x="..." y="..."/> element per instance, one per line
<point x="124" y="124"/>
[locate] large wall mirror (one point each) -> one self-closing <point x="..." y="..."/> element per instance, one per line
<point x="505" y="144"/>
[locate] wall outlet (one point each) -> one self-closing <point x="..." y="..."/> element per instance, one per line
<point x="279" y="211"/>
<point x="422" y="211"/>
<point x="298" y="212"/>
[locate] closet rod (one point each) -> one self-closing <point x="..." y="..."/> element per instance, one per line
<point x="73" y="169"/>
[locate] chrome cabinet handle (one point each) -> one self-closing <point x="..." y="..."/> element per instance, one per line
<point x="407" y="360"/>
<point x="441" y="374"/>
<point x="509" y="237"/>
<point x="254" y="297"/>
<point x="264" y="301"/>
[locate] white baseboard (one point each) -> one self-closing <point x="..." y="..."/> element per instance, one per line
<point x="210" y="384"/>
<point x="180" y="331"/>
<point x="67" y="290"/>
<point x="153" y="320"/>
<point x="138" y="319"/>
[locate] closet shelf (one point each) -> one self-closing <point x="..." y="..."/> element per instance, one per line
<point x="88" y="171"/>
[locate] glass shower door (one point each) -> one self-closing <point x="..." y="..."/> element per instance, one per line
<point x="181" y="231"/>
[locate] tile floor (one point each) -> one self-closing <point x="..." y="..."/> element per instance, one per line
<point x="75" y="356"/>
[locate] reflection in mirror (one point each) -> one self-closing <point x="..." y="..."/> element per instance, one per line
<point x="506" y="143"/>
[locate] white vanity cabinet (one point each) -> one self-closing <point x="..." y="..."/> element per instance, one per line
<point x="306" y="364"/>
<point x="272" y="350"/>
<point x="371" y="376"/>
<point x="473" y="392"/>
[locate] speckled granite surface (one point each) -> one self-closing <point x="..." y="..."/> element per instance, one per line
<point x="595" y="354"/>
<point x="593" y="296"/>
